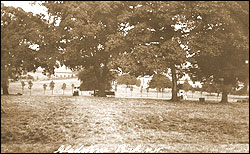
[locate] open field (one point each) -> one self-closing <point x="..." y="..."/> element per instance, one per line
<point x="122" y="91"/>
<point x="44" y="123"/>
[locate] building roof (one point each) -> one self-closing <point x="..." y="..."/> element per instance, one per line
<point x="62" y="69"/>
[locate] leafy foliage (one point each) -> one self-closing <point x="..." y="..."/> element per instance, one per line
<point x="155" y="44"/>
<point x="223" y="42"/>
<point x="63" y="87"/>
<point x="212" y="87"/>
<point x="52" y="86"/>
<point x="160" y="82"/>
<point x="88" y="36"/>
<point x="186" y="86"/>
<point x="127" y="80"/>
<point x="243" y="91"/>
<point x="30" y="84"/>
<point x="17" y="56"/>
<point x="139" y="38"/>
<point x="207" y="36"/>
<point x="72" y="86"/>
<point x="89" y="80"/>
<point x="44" y="87"/>
<point x="23" y="84"/>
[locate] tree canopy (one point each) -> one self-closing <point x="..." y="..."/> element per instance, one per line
<point x="127" y="80"/>
<point x="88" y="35"/>
<point x="20" y="32"/>
<point x="89" y="80"/>
<point x="206" y="37"/>
<point x="160" y="81"/>
<point x="208" y="40"/>
<point x="186" y="86"/>
<point x="223" y="44"/>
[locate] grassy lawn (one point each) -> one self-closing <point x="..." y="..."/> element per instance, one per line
<point x="122" y="92"/>
<point x="44" y="123"/>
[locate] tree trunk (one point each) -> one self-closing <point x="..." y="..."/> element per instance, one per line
<point x="225" y="90"/>
<point x="101" y="92"/>
<point x="5" y="88"/>
<point x="224" y="98"/>
<point x="102" y="79"/>
<point x="4" y="81"/>
<point x="174" y="84"/>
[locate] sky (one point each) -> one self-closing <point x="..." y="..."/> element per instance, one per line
<point x="26" y="6"/>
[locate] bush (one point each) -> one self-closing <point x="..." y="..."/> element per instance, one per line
<point x="160" y="82"/>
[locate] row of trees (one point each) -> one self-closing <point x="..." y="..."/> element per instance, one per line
<point x="160" y="82"/>
<point x="207" y="40"/>
<point x="51" y="85"/>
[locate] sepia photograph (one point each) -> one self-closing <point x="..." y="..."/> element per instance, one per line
<point x="124" y="76"/>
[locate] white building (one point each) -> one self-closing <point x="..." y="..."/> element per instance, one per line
<point x="38" y="75"/>
<point x="145" y="81"/>
<point x="64" y="72"/>
<point x="61" y="72"/>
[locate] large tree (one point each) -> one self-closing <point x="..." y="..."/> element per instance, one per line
<point x="162" y="36"/>
<point x="89" y="80"/>
<point x="156" y="39"/>
<point x="214" y="34"/>
<point x="222" y="37"/>
<point x="20" y="31"/>
<point x="89" y="36"/>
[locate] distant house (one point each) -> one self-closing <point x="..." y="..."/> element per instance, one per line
<point x="61" y="72"/>
<point x="145" y="81"/>
<point x="38" y="75"/>
<point x="64" y="72"/>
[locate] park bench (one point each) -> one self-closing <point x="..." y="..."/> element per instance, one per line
<point x="108" y="93"/>
<point x="111" y="93"/>
<point x="243" y="100"/>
